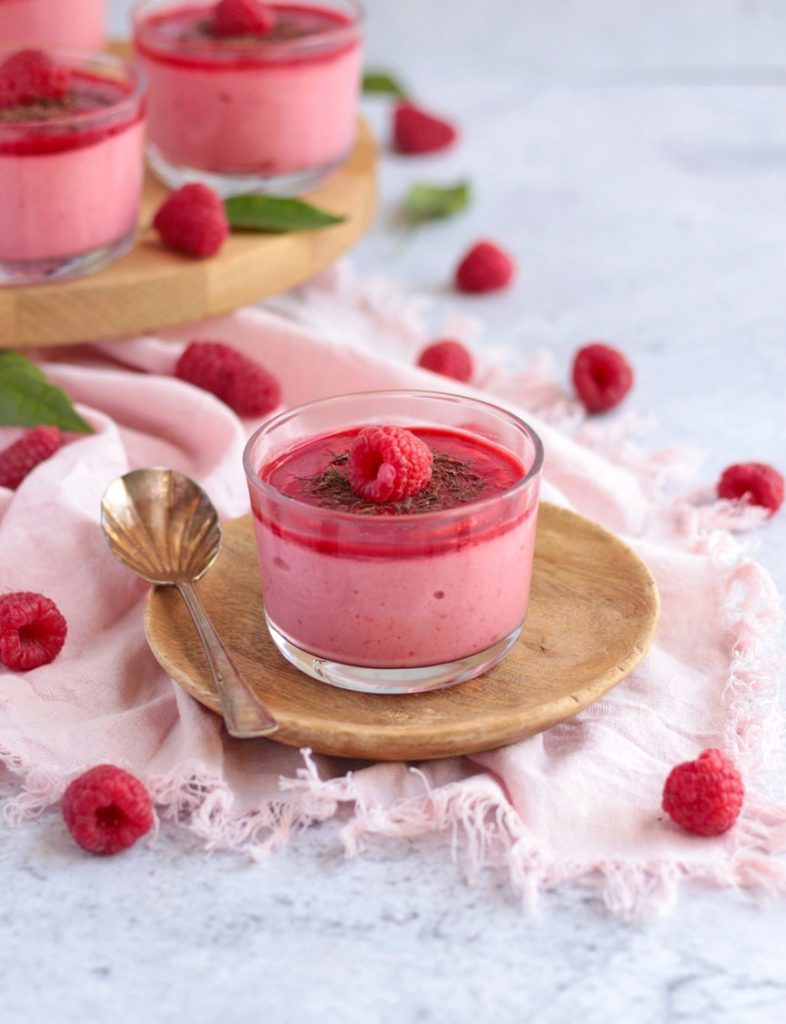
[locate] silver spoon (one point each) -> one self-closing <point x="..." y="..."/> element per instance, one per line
<point x="164" y="528"/>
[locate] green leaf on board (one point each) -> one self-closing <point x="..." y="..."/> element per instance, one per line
<point x="273" y="214"/>
<point x="27" y="399"/>
<point x="432" y="202"/>
<point x="382" y="83"/>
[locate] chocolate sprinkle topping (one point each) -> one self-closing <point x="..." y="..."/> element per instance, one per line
<point x="453" y="483"/>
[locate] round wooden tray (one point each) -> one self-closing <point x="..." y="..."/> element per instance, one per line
<point x="152" y="288"/>
<point x="592" y="615"/>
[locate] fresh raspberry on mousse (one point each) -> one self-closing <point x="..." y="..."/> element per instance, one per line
<point x="30" y="76"/>
<point x="242" y="18"/>
<point x="388" y="464"/>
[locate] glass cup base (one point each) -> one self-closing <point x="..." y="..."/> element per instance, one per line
<point x="64" y="268"/>
<point x="393" y="680"/>
<point x="226" y="185"/>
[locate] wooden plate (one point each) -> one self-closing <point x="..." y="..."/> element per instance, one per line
<point x="152" y="288"/>
<point x="592" y="615"/>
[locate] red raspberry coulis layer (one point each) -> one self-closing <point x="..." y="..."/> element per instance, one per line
<point x="182" y="37"/>
<point x="291" y="472"/>
<point x="490" y="471"/>
<point x="46" y="128"/>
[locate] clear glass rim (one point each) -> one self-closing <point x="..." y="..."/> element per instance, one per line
<point x="256" y="47"/>
<point x="333" y="515"/>
<point x="84" y="60"/>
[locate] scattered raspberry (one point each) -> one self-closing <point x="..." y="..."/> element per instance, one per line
<point x="106" y="809"/>
<point x="193" y="220"/>
<point x="755" y="482"/>
<point x="20" y="458"/>
<point x="417" y="131"/>
<point x="388" y="464"/>
<point x="243" y="385"/>
<point x="602" y="376"/>
<point x="241" y="18"/>
<point x="32" y="630"/>
<point x="485" y="268"/>
<point x="29" y="76"/>
<point x="448" y="357"/>
<point x="705" y="795"/>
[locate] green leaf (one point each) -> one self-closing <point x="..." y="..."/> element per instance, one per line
<point x="270" y="213"/>
<point x="382" y="83"/>
<point x="431" y="202"/>
<point x="27" y="399"/>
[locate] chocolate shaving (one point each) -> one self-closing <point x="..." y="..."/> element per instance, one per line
<point x="83" y="102"/>
<point x="453" y="483"/>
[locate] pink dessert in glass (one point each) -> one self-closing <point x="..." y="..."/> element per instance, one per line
<point x="269" y="112"/>
<point x="54" y="24"/>
<point x="404" y="596"/>
<point x="71" y="163"/>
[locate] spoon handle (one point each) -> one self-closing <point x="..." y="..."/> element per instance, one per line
<point x="244" y="713"/>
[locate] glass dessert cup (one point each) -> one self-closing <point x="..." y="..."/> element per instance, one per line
<point x="403" y="603"/>
<point x="273" y="114"/>
<point x="59" y="24"/>
<point x="71" y="178"/>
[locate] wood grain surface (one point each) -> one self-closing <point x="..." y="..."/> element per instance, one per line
<point x="152" y="288"/>
<point x="593" y="612"/>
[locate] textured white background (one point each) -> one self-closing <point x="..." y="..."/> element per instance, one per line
<point x="633" y="156"/>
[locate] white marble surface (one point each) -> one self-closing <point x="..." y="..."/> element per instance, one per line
<point x="633" y="156"/>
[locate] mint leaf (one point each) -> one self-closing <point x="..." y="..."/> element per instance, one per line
<point x="382" y="83"/>
<point x="270" y="213"/>
<point x="27" y="399"/>
<point x="431" y="202"/>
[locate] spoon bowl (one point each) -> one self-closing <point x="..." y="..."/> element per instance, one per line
<point x="161" y="525"/>
<point x="164" y="528"/>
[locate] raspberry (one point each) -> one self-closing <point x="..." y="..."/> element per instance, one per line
<point x="388" y="464"/>
<point x="242" y="17"/>
<point x="107" y="809"/>
<point x="29" y="76"/>
<point x="417" y="131"/>
<point x="705" y="795"/>
<point x="485" y="268"/>
<point x="448" y="357"/>
<point x="193" y="220"/>
<point x="20" y="458"/>
<point x="754" y="482"/>
<point x="243" y="385"/>
<point x="602" y="376"/>
<point x="32" y="630"/>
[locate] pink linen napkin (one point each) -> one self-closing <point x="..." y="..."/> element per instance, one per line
<point x="581" y="801"/>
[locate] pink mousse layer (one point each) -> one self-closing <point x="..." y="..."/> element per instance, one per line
<point x="76" y="24"/>
<point x="70" y="189"/>
<point x="274" y="110"/>
<point x="363" y="602"/>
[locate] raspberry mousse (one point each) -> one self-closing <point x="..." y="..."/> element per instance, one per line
<point x="246" y="96"/>
<point x="71" y="162"/>
<point x="422" y="589"/>
<point x="77" y="24"/>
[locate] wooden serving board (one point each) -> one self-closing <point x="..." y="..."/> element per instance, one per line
<point x="593" y="612"/>
<point x="151" y="288"/>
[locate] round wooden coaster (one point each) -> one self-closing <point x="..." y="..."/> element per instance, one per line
<point x="592" y="615"/>
<point x="151" y="288"/>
